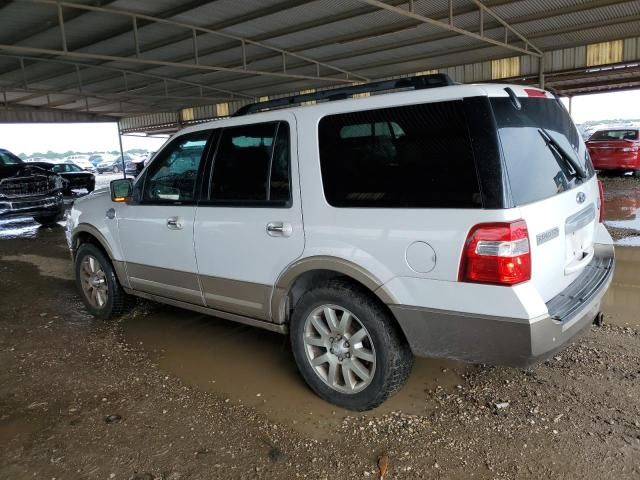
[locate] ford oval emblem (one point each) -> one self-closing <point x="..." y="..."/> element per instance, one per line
<point x="581" y="197"/>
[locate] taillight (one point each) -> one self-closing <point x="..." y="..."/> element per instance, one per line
<point x="601" y="206"/>
<point x="496" y="253"/>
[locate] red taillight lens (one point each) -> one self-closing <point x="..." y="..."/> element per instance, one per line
<point x="497" y="253"/>
<point x="601" y="191"/>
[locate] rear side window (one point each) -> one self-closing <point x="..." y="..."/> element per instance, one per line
<point x="615" y="135"/>
<point x="251" y="165"/>
<point x="417" y="156"/>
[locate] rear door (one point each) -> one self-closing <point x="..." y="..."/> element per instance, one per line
<point x="560" y="208"/>
<point x="248" y="225"/>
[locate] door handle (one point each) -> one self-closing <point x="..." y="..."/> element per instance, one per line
<point x="279" y="229"/>
<point x="174" y="223"/>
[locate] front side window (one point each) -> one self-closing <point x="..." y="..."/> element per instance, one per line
<point x="417" y="156"/>
<point x="252" y="165"/>
<point x="172" y="175"/>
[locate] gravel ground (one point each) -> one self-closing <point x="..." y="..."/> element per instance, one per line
<point x="77" y="401"/>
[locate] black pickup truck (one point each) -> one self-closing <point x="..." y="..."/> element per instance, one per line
<point x="29" y="191"/>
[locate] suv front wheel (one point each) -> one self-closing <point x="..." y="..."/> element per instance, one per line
<point x="347" y="346"/>
<point x="98" y="284"/>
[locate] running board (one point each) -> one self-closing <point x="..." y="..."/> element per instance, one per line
<point x="273" y="327"/>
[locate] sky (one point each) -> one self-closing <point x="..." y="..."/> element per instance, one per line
<point x="606" y="106"/>
<point x="62" y="137"/>
<point x="86" y="137"/>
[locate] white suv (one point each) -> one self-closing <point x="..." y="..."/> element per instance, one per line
<point x="458" y="221"/>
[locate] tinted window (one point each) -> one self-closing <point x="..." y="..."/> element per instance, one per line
<point x="173" y="173"/>
<point x="8" y="158"/>
<point x="615" y="135"/>
<point x="536" y="171"/>
<point x="417" y="156"/>
<point x="252" y="164"/>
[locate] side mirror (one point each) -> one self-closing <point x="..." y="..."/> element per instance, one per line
<point x="121" y="190"/>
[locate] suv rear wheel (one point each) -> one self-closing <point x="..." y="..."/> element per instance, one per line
<point x="98" y="285"/>
<point x="348" y="347"/>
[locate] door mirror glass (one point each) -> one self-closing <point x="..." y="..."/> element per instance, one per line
<point x="121" y="190"/>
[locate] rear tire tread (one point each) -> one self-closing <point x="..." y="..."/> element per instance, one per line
<point x="399" y="356"/>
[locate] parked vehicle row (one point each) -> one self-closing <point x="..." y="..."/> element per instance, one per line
<point x="462" y="221"/>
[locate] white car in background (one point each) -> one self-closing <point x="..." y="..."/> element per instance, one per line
<point x="456" y="221"/>
<point x="82" y="161"/>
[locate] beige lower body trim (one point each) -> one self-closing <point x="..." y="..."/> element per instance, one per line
<point x="243" y="298"/>
<point x="223" y="294"/>
<point x="211" y="311"/>
<point x="182" y="286"/>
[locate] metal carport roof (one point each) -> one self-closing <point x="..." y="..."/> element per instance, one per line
<point x="106" y="59"/>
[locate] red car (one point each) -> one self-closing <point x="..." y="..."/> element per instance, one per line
<point x="616" y="149"/>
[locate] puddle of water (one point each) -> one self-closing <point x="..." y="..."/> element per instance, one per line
<point x="622" y="301"/>
<point x="255" y="367"/>
<point x="18" y="228"/>
<point x="47" y="266"/>
<point x="622" y="206"/>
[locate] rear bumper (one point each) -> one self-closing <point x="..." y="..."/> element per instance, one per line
<point x="622" y="162"/>
<point x="31" y="206"/>
<point x="510" y="341"/>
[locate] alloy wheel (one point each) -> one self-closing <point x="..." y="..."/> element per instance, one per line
<point x="94" y="281"/>
<point x="339" y="349"/>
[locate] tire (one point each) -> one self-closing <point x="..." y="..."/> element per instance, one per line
<point x="382" y="342"/>
<point x="110" y="300"/>
<point x="636" y="173"/>
<point x="50" y="220"/>
<point x="91" y="188"/>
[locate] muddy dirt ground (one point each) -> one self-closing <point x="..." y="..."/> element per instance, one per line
<point x="169" y="394"/>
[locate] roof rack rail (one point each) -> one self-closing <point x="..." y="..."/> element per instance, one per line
<point x="417" y="82"/>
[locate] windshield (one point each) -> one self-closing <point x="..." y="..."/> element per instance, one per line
<point x="535" y="170"/>
<point x="615" y="135"/>
<point x="8" y="158"/>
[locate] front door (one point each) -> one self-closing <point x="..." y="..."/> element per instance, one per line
<point x="248" y="226"/>
<point x="156" y="233"/>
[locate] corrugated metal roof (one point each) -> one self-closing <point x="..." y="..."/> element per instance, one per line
<point x="348" y="34"/>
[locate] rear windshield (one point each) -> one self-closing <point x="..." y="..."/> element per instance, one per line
<point x="615" y="135"/>
<point x="417" y="156"/>
<point x="534" y="169"/>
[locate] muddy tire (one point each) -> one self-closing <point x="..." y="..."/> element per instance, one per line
<point x="98" y="284"/>
<point x="49" y="220"/>
<point x="348" y="347"/>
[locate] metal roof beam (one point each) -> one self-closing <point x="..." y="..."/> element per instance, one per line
<point x="127" y="74"/>
<point x="21" y="51"/>
<point x="195" y="30"/>
<point x="536" y="52"/>
<point x="365" y="9"/>
<point x="40" y="92"/>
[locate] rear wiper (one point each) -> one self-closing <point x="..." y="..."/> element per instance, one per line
<point x="569" y="159"/>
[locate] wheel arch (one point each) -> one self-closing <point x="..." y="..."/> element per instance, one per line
<point x="85" y="233"/>
<point x="303" y="274"/>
